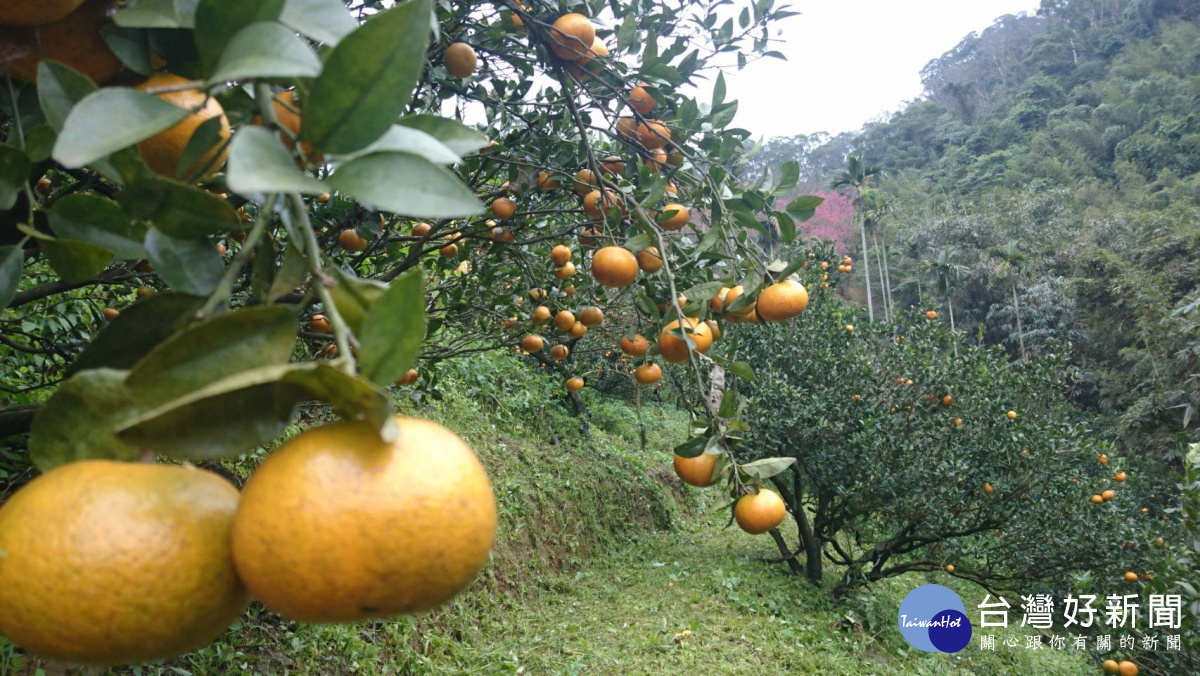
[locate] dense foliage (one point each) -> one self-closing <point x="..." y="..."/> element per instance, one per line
<point x="909" y="460"/>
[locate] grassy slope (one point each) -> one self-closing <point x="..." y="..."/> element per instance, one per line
<point x="603" y="561"/>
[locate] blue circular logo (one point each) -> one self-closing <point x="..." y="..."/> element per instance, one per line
<point x="933" y="619"/>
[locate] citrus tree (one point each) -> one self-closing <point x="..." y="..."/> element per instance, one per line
<point x="912" y="457"/>
<point x="217" y="210"/>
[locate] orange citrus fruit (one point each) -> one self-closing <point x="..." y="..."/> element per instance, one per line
<point x="564" y="321"/>
<point x="460" y="59"/>
<point x="649" y="260"/>
<point x="108" y="563"/>
<point x="571" y="36"/>
<point x="351" y="241"/>
<point x="504" y="208"/>
<point x="591" y="317"/>
<point x="338" y="525"/>
<point x="679" y="217"/>
<point x="636" y="346"/>
<point x="38" y="13"/>
<point x="759" y="512"/>
<point x="74" y="40"/>
<point x="532" y="343"/>
<point x="782" y="301"/>
<point x="641" y="100"/>
<point x="675" y="349"/>
<point x="648" y="374"/>
<point x="163" y="151"/>
<point x="614" y="267"/>
<point x="697" y="471"/>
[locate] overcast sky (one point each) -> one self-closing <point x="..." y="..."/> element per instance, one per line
<point x="850" y="60"/>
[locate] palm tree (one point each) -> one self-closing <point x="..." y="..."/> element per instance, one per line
<point x="859" y="177"/>
<point x="946" y="274"/>
<point x="1011" y="265"/>
<point x="913" y="252"/>
<point x="875" y="207"/>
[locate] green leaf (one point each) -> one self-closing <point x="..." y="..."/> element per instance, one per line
<point x="705" y="291"/>
<point x="692" y="447"/>
<point x="183" y="429"/>
<point x="456" y="136"/>
<point x="662" y="71"/>
<point x="177" y="209"/>
<point x="354" y="398"/>
<point x="721" y="119"/>
<point x="78" y="420"/>
<point x="254" y="407"/>
<point x="136" y="331"/>
<point x="393" y="331"/>
<point x="789" y="176"/>
<point x="787" y="226"/>
<point x="14" y="171"/>
<point x="157" y="14"/>
<point x="767" y="467"/>
<point x="211" y="350"/>
<point x="719" y="89"/>
<point x="109" y="120"/>
<point x="354" y="297"/>
<point x="368" y="80"/>
<point x="805" y="207"/>
<point x="729" y="404"/>
<point x="742" y="370"/>
<point x="189" y="266"/>
<point x="39" y="142"/>
<point x="132" y="47"/>
<point x="217" y="21"/>
<point x="407" y="185"/>
<point x="12" y="263"/>
<point x="638" y="242"/>
<point x="263" y="268"/>
<point x="59" y="89"/>
<point x="627" y="33"/>
<point x="90" y="218"/>
<point x="258" y="164"/>
<point x="322" y="20"/>
<point x="73" y="260"/>
<point x="207" y="138"/>
<point x="266" y="50"/>
<point x="655" y="194"/>
<point x="291" y="274"/>
<point x="406" y="139"/>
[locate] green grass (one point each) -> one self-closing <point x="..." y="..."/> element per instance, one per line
<point x="603" y="562"/>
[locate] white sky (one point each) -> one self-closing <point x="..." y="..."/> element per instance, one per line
<point x="850" y="60"/>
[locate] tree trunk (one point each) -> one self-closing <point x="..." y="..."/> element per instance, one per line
<point x="1017" y="309"/>
<point x="950" y="304"/>
<point x="887" y="312"/>
<point x="794" y="498"/>
<point x="887" y="276"/>
<point x="785" y="552"/>
<point x="866" y="259"/>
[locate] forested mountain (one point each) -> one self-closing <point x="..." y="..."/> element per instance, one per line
<point x="1052" y="166"/>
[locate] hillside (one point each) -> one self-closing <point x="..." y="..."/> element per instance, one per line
<point x="1069" y="139"/>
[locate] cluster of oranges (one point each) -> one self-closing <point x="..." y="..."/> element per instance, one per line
<point x="1123" y="668"/>
<point x="1108" y="494"/>
<point x="107" y="563"/>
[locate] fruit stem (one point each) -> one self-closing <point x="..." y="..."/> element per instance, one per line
<point x="312" y="249"/>
<point x="19" y="130"/>
<point x="322" y="282"/>
<point x="224" y="288"/>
